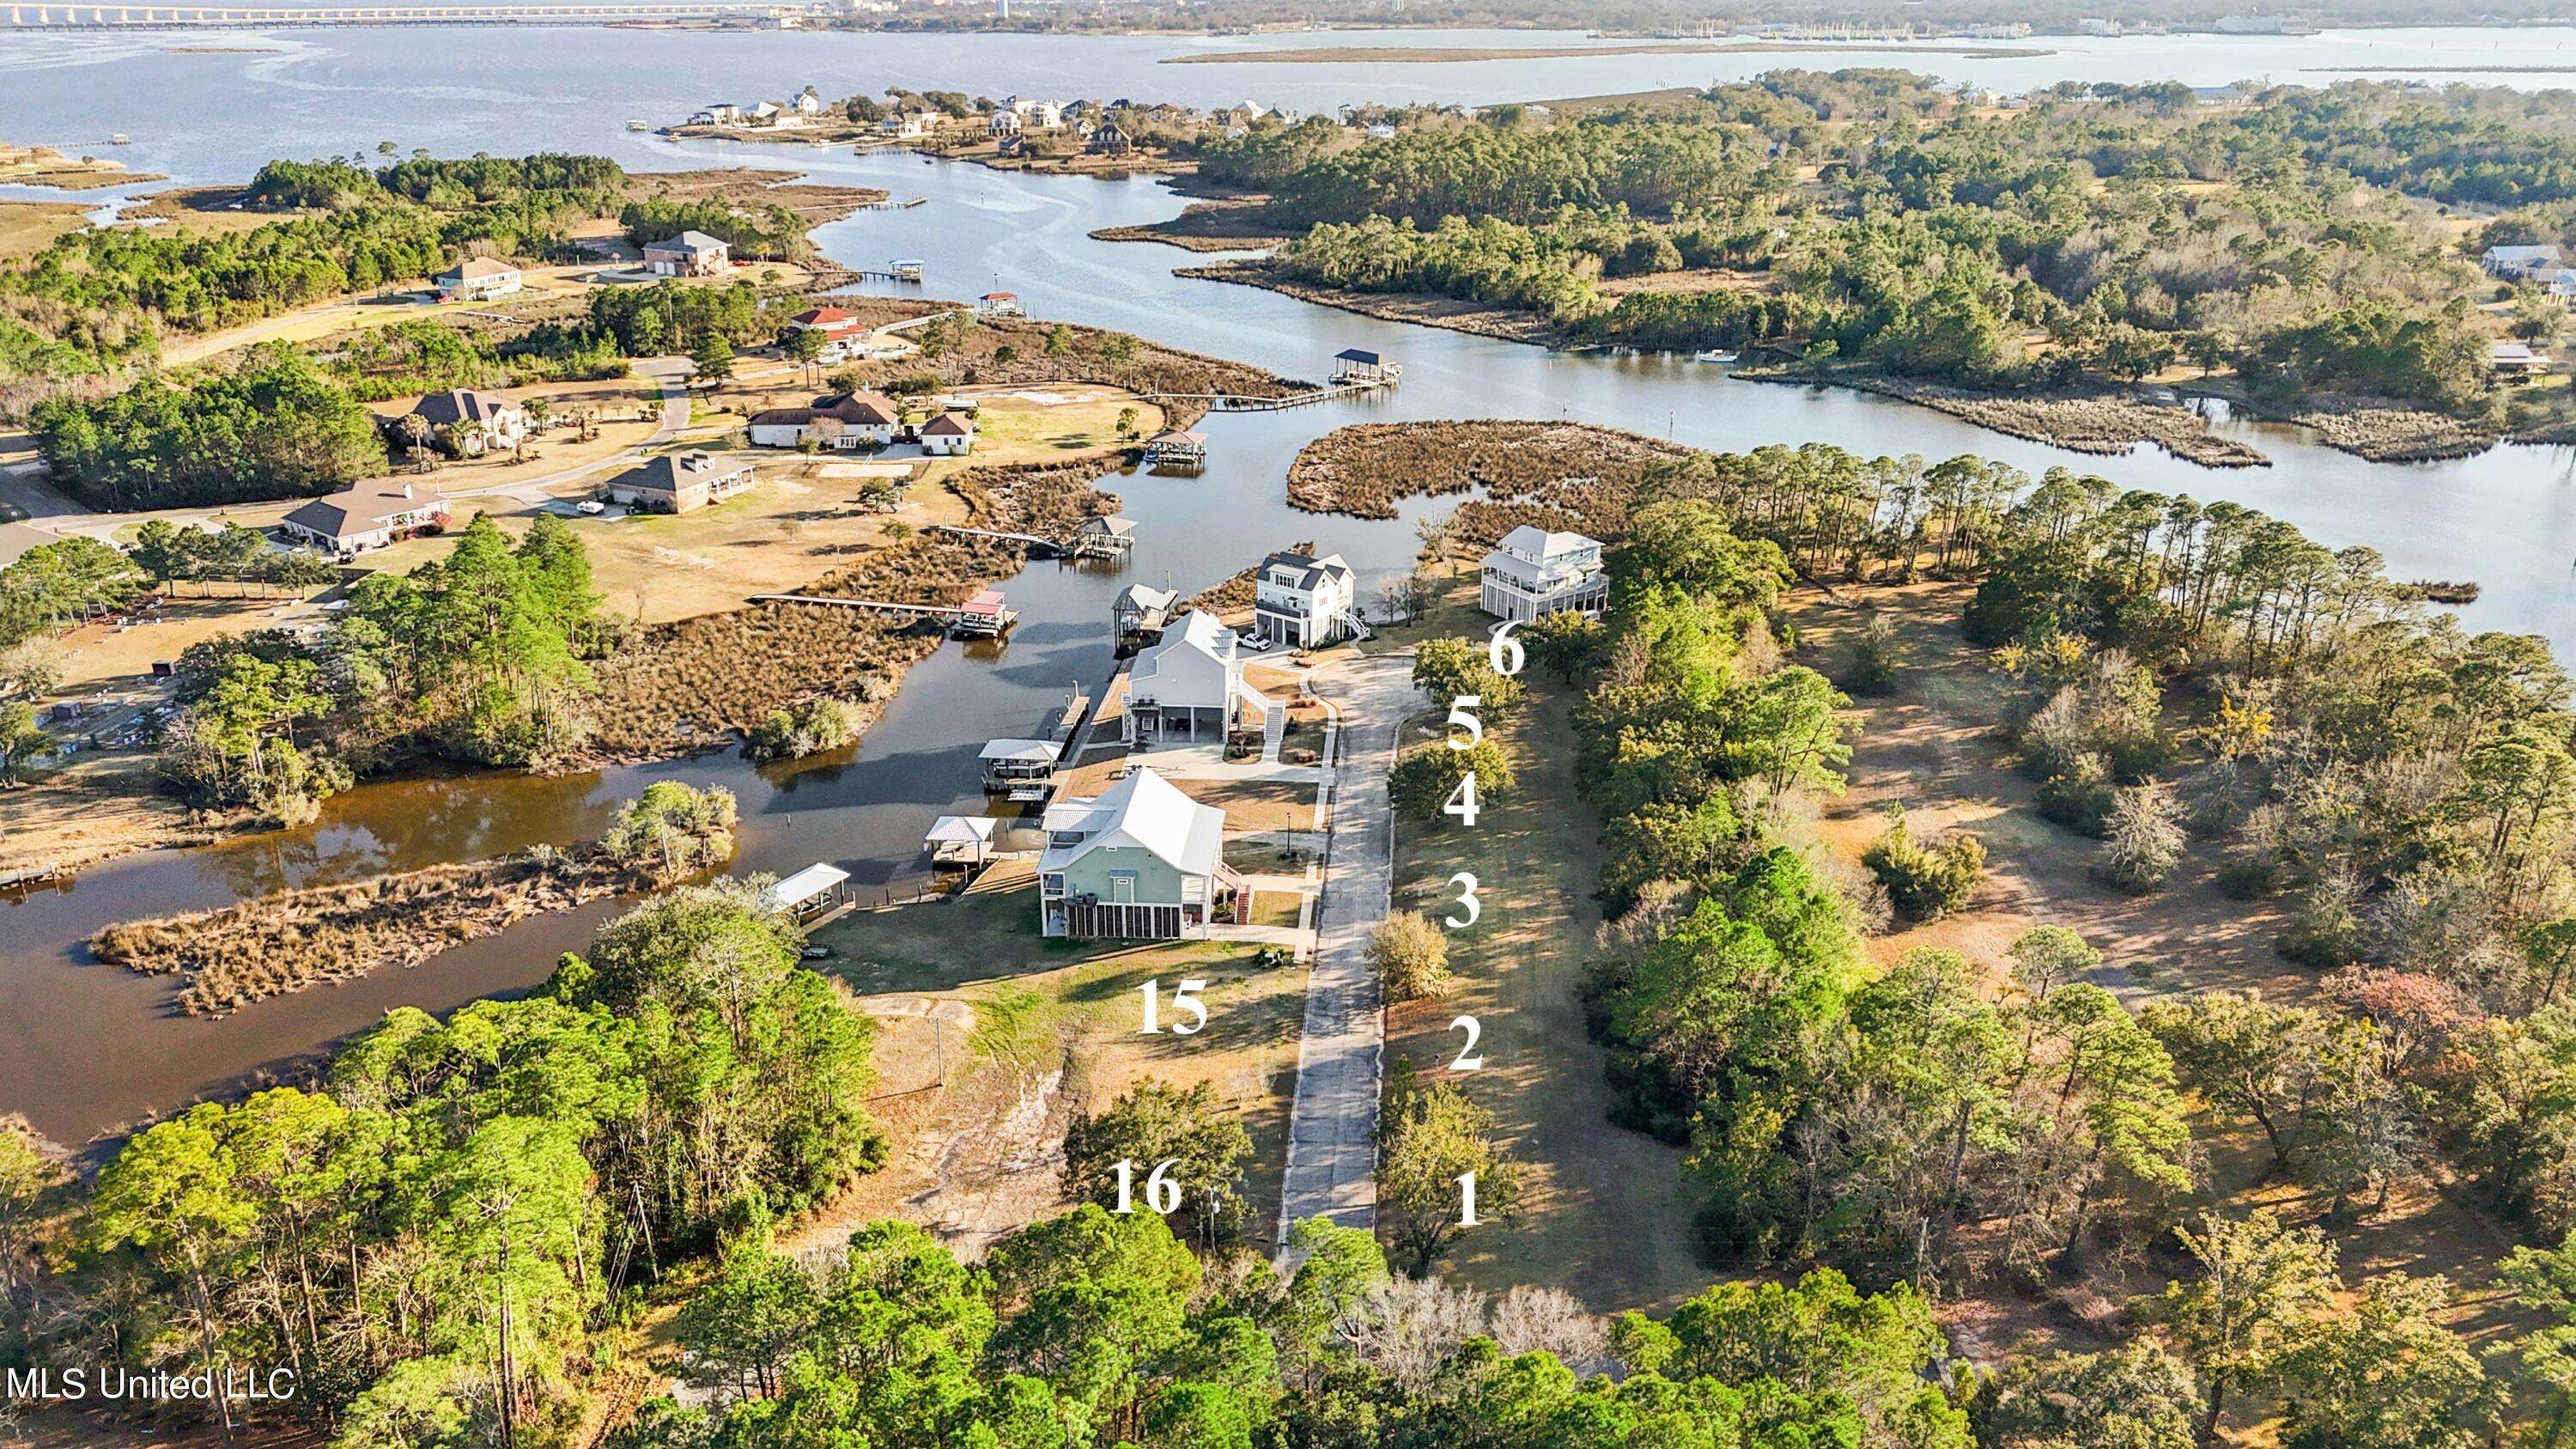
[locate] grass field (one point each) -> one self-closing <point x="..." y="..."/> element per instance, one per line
<point x="1605" y="1217"/>
<point x="1041" y="1003"/>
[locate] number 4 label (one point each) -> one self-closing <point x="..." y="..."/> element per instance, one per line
<point x="1462" y="801"/>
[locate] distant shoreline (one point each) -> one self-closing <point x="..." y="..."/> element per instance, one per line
<point x="1433" y="55"/>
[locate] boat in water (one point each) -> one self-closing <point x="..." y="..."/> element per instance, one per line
<point x="1713" y="355"/>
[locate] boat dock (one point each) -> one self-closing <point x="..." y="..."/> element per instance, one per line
<point x="1096" y="538"/>
<point x="984" y="616"/>
<point x="1229" y="402"/>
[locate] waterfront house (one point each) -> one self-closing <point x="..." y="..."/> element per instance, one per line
<point x="1303" y="601"/>
<point x="771" y="113"/>
<point x="478" y="279"/>
<point x="1003" y="123"/>
<point x="1139" y="861"/>
<point x="690" y="254"/>
<point x="1041" y="115"/>
<point x="1013" y="145"/>
<point x="1110" y="139"/>
<point x="999" y="304"/>
<point x="2515" y="263"/>
<point x="468" y="424"/>
<point x="948" y="435"/>
<point x="722" y="113"/>
<point x="1141" y="609"/>
<point x="807" y="103"/>
<point x="903" y="125"/>
<point x="1536" y="572"/>
<point x="832" y="322"/>
<point x="839" y="421"/>
<point x="1189" y="689"/>
<point x="366" y="515"/>
<point x="679" y="482"/>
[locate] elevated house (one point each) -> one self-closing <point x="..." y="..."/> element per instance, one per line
<point x="722" y="113"/>
<point x="949" y="435"/>
<point x="1003" y="123"/>
<point x="1189" y="689"/>
<point x="1535" y="572"/>
<point x="679" y="482"/>
<point x="1302" y="601"/>
<point x="904" y="125"/>
<point x="366" y="515"/>
<point x="466" y="423"/>
<point x="690" y="254"/>
<point x="2514" y="360"/>
<point x="838" y="421"/>
<point x="1109" y="139"/>
<point x="999" y="304"/>
<point x="479" y="279"/>
<point x="1139" y="861"/>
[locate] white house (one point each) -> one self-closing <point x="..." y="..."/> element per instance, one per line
<point x="1536" y="572"/>
<point x="1038" y="115"/>
<point x="478" y="278"/>
<point x="722" y="113"/>
<point x="807" y="103"/>
<point x="1140" y="860"/>
<point x="1189" y="689"/>
<point x="832" y="322"/>
<point x="948" y="435"/>
<point x="999" y="304"/>
<point x="1303" y="601"/>
<point x="366" y="515"/>
<point x="904" y="125"/>
<point x="840" y="421"/>
<point x="2516" y="263"/>
<point x="1003" y="123"/>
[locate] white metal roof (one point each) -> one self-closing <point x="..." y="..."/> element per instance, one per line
<point x="1146" y="812"/>
<point x="960" y="829"/>
<point x="803" y="886"/>
<point x="1540" y="543"/>
<point x="1022" y="750"/>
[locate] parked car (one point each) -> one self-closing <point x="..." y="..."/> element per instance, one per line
<point x="1254" y="642"/>
<point x="590" y="505"/>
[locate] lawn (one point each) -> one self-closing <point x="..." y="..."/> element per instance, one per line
<point x="1605" y="1217"/>
<point x="1040" y="1003"/>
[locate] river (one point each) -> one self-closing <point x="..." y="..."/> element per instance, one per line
<point x="85" y="1048"/>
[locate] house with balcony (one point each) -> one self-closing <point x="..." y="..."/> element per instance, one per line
<point x="1303" y="602"/>
<point x="1189" y="689"/>
<point x="1536" y="572"/>
<point x="1139" y="861"/>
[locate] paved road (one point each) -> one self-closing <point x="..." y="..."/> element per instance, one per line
<point x="1332" y="1130"/>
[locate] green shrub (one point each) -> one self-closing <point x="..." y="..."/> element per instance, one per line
<point x="1924" y="883"/>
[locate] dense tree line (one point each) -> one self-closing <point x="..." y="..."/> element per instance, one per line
<point x="2129" y="226"/>
<point x="275" y="426"/>
<point x="432" y="1233"/>
<point x="767" y="233"/>
<point x="480" y="657"/>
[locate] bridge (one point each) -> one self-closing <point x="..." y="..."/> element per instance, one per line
<point x="195" y="17"/>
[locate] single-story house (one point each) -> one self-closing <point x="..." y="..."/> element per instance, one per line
<point x="1139" y="861"/>
<point x="2517" y="359"/>
<point x="473" y="423"/>
<point x="2514" y="263"/>
<point x="679" y="482"/>
<point x="832" y="322"/>
<point x="1536" y="572"/>
<point x="948" y="435"/>
<point x="841" y="420"/>
<point x="367" y="515"/>
<point x="477" y="278"/>
<point x="1189" y="689"/>
<point x="690" y="254"/>
<point x="1303" y="601"/>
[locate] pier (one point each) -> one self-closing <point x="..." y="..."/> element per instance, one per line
<point x="1096" y="538"/>
<point x="1230" y="402"/>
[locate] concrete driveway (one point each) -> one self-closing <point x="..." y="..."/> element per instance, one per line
<point x="1332" y="1129"/>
